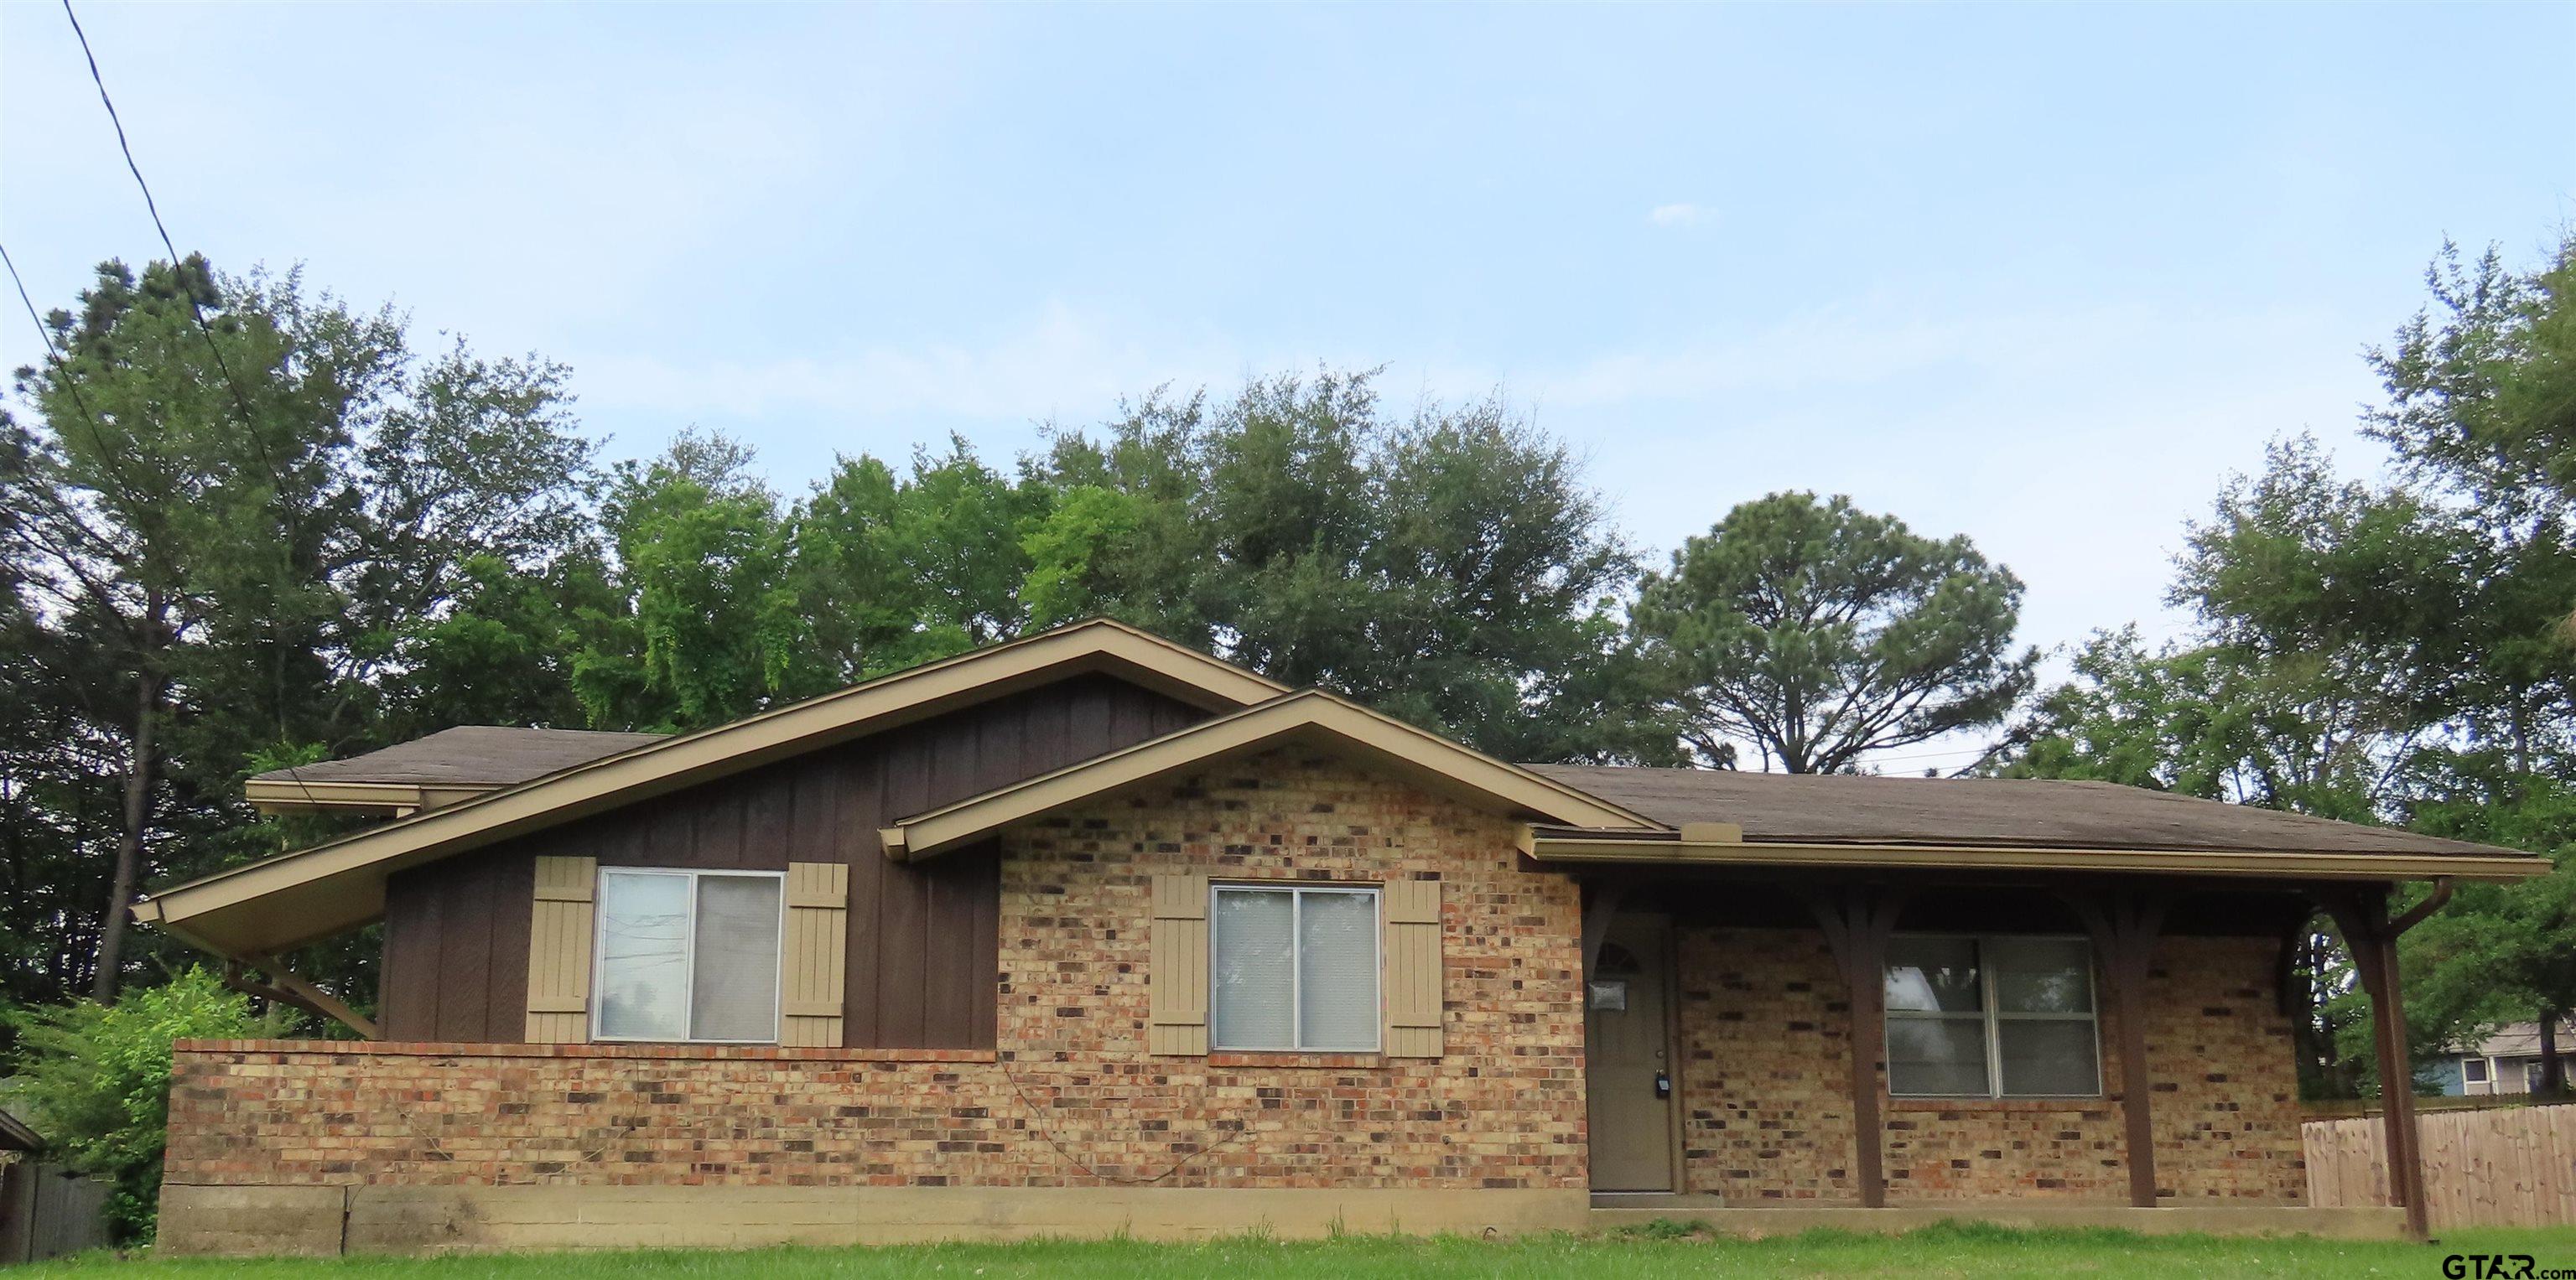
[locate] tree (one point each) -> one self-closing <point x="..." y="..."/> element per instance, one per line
<point x="230" y="525"/>
<point x="1447" y="566"/>
<point x="94" y="1079"/>
<point x="709" y="628"/>
<point x="171" y="512"/>
<point x="2481" y="414"/>
<point x="1816" y="633"/>
<point x="899" y="570"/>
<point x="2387" y="653"/>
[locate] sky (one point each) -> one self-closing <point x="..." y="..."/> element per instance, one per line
<point x="2044" y="276"/>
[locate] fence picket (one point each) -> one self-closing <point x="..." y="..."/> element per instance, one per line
<point x="2504" y="1167"/>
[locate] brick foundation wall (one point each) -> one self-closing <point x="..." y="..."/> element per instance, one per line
<point x="1069" y="1098"/>
<point x="1766" y="1088"/>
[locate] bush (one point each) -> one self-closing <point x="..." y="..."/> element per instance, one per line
<point x="94" y="1079"/>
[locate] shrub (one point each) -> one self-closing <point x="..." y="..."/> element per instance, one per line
<point x="94" y="1079"/>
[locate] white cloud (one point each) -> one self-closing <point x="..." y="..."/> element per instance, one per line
<point x="1680" y="215"/>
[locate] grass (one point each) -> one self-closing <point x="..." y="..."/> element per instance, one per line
<point x="1667" y="1250"/>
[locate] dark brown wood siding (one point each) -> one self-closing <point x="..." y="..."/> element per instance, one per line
<point x="923" y="957"/>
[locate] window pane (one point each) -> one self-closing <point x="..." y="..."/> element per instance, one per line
<point x="1337" y="971"/>
<point x="1937" y="1056"/>
<point x="2474" y="1070"/>
<point x="643" y="955"/>
<point x="2035" y="975"/>
<point x="1932" y="975"/>
<point x="735" y="991"/>
<point x="1250" y="987"/>
<point x="2047" y="1059"/>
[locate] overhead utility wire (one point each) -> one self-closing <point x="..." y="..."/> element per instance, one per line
<point x="241" y="399"/>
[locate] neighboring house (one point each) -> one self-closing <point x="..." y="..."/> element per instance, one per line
<point x="2507" y="1062"/>
<point x="1089" y="933"/>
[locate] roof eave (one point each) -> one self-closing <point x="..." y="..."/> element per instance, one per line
<point x="2273" y="864"/>
<point x="350" y="871"/>
<point x="1311" y="714"/>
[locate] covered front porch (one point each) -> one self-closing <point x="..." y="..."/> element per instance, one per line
<point x="1874" y="1047"/>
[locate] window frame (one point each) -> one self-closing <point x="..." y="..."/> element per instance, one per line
<point x="1297" y="891"/>
<point x="1993" y="1017"/>
<point x="689" y="987"/>
<point x="2484" y="1072"/>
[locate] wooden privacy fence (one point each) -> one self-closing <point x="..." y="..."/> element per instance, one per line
<point x="2514" y="1167"/>
<point x="46" y="1212"/>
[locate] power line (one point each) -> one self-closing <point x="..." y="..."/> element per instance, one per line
<point x="241" y="399"/>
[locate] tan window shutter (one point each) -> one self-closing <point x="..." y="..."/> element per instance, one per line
<point x="816" y="954"/>
<point x="1179" y="976"/>
<point x="1412" y="968"/>
<point x="559" y="948"/>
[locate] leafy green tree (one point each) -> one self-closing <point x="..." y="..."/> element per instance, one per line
<point x="2500" y="953"/>
<point x="172" y="513"/>
<point x="1815" y="633"/>
<point x="2394" y="653"/>
<point x="2481" y="413"/>
<point x="220" y="561"/>
<point x="94" y="1080"/>
<point x="897" y="570"/>
<point x="710" y="628"/>
<point x="1447" y="566"/>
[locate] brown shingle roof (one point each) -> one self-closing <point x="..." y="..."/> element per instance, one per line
<point x="472" y="755"/>
<point x="2018" y="812"/>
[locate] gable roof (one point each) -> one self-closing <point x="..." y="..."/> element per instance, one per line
<point x="442" y="768"/>
<point x="1312" y="715"/>
<point x="1831" y="818"/>
<point x="313" y="893"/>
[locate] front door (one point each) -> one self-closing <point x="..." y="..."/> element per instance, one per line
<point x="1628" y="1053"/>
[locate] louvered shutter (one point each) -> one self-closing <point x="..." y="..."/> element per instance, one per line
<point x="1178" y="979"/>
<point x="1412" y="969"/>
<point x="814" y="963"/>
<point x="559" y="950"/>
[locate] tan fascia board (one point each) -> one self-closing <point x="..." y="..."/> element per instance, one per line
<point x="2267" y="864"/>
<point x="1314" y="713"/>
<point x="279" y="795"/>
<point x="688" y="759"/>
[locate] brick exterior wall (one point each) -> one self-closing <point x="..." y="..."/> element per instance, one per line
<point x="1766" y="1089"/>
<point x="1069" y="1098"/>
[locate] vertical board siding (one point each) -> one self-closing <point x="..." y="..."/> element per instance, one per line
<point x="2499" y="1167"/>
<point x="921" y="950"/>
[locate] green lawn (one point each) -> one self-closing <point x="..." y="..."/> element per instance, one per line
<point x="1934" y="1251"/>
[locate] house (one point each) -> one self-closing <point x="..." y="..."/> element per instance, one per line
<point x="1088" y="932"/>
<point x="2507" y="1062"/>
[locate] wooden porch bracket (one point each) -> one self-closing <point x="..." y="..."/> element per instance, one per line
<point x="1857" y="922"/>
<point x="286" y="988"/>
<point x="2370" y="933"/>
<point x="2124" y="927"/>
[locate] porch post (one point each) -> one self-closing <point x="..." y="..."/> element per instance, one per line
<point x="1856" y="923"/>
<point x="2372" y="938"/>
<point x="2124" y="928"/>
